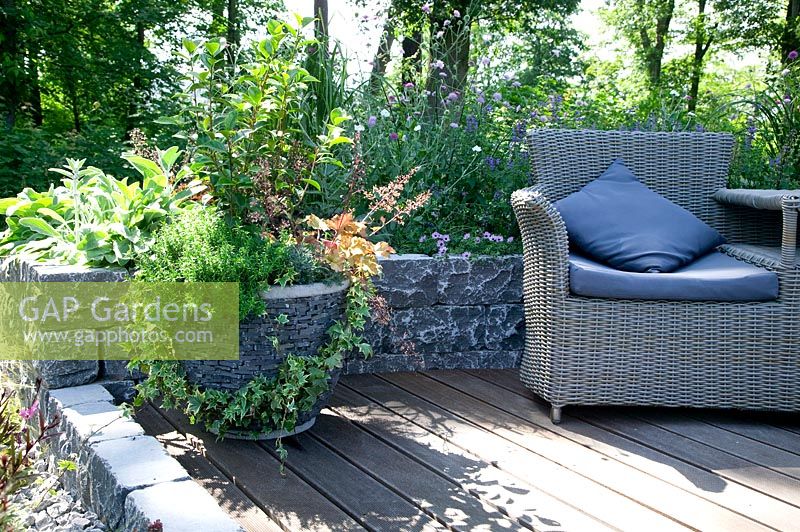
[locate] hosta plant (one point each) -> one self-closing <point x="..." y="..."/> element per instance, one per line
<point x="92" y="218"/>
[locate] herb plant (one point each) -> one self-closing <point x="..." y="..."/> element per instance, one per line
<point x="92" y="218"/>
<point x="200" y="246"/>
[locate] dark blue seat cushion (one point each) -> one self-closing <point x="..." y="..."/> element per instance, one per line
<point x="618" y="220"/>
<point x="713" y="277"/>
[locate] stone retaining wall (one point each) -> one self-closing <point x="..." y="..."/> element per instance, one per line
<point x="64" y="373"/>
<point x="447" y="313"/>
<point x="123" y="475"/>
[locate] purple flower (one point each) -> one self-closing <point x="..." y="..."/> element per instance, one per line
<point x="453" y="96"/>
<point x="426" y="8"/>
<point x="372" y="120"/>
<point x="481" y="100"/>
<point x="423" y="238"/>
<point x="518" y="131"/>
<point x="472" y="124"/>
<point x="456" y="13"/>
<point x="438" y="64"/>
<point x="445" y="238"/>
<point x="27" y="413"/>
<point x="485" y="61"/>
<point x="393" y="136"/>
<point x="436" y="234"/>
<point x="491" y="162"/>
<point x="453" y="125"/>
<point x="391" y="98"/>
<point x="510" y="239"/>
<point x="487" y="234"/>
<point x="466" y="254"/>
<point x="467" y="236"/>
<point x="477" y="240"/>
<point x="792" y="55"/>
<point x="408" y="85"/>
<point x="497" y="96"/>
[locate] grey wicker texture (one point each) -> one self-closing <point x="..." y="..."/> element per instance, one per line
<point x="658" y="353"/>
<point x="770" y="200"/>
<point x="309" y="319"/>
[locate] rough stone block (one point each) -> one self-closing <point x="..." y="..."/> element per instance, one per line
<point x="386" y="363"/>
<point x="118" y="467"/>
<point x="409" y="281"/>
<point x="123" y="391"/>
<point x="481" y="281"/>
<point x="117" y="370"/>
<point x="437" y="329"/>
<point x="505" y="327"/>
<point x="69" y="273"/>
<point x="65" y="373"/>
<point x="90" y="393"/>
<point x="472" y="360"/>
<point x="180" y="506"/>
<point x="95" y="422"/>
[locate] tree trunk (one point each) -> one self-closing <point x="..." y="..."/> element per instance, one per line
<point x="218" y="21"/>
<point x="321" y="20"/>
<point x="131" y="120"/>
<point x="233" y="23"/>
<point x="10" y="53"/>
<point x="382" y="57"/>
<point x="653" y="51"/>
<point x="36" y="93"/>
<point x="452" y="53"/>
<point x="412" y="60"/>
<point x="789" y="38"/>
<point x="702" y="42"/>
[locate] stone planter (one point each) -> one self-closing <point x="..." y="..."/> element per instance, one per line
<point x="311" y="310"/>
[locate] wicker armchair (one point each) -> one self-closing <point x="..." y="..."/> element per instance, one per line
<point x="585" y="351"/>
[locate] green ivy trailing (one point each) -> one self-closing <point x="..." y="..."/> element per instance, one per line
<point x="263" y="405"/>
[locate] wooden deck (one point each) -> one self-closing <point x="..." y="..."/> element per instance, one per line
<point x="474" y="450"/>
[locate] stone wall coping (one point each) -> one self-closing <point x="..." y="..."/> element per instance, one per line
<point x="303" y="290"/>
<point x="125" y="477"/>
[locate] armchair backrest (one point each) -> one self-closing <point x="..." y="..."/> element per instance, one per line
<point x="686" y="168"/>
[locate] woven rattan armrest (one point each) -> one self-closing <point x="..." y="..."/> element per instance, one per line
<point x="544" y="241"/>
<point x="787" y="201"/>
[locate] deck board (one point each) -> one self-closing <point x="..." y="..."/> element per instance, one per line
<point x="474" y="450"/>
<point x="229" y="497"/>
<point x="517" y="499"/>
<point x="444" y="500"/>
<point x="684" y="474"/>
<point x="363" y="497"/>
<point x="531" y="428"/>
<point x="757" y="431"/>
<point x="560" y="482"/>
<point x="287" y="498"/>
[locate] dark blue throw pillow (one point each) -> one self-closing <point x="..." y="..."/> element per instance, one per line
<point x="618" y="220"/>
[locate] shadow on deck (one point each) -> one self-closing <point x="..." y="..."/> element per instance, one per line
<point x="469" y="450"/>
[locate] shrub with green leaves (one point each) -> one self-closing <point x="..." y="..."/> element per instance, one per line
<point x="245" y="119"/>
<point x="92" y="218"/>
<point x="768" y="154"/>
<point x="200" y="246"/>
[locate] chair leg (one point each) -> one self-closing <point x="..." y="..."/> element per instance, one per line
<point x="555" y="414"/>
